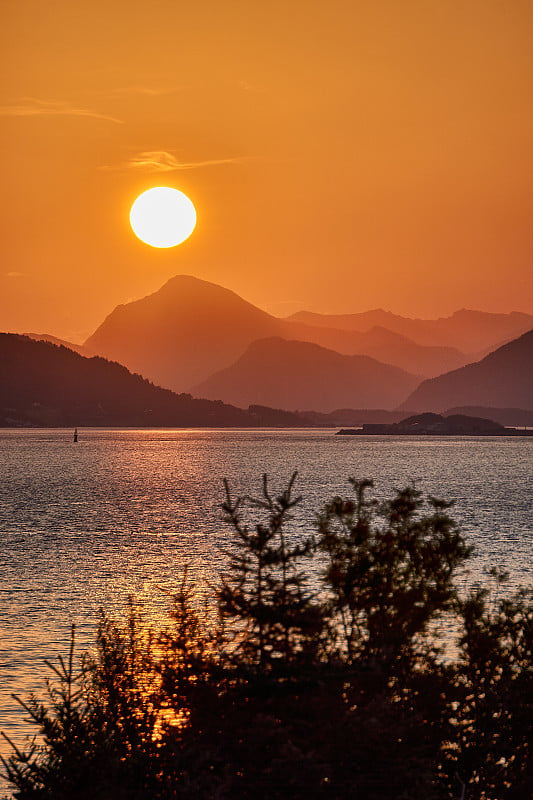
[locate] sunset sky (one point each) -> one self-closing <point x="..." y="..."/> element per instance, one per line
<point x="341" y="155"/>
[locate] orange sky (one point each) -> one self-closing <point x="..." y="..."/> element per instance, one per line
<point x="341" y="155"/>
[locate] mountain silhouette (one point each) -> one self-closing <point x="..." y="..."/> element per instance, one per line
<point x="189" y="329"/>
<point x="180" y="334"/>
<point x="503" y="379"/>
<point x="46" y="337"/>
<point x="383" y="345"/>
<point x="400" y="351"/>
<point x="509" y="417"/>
<point x="49" y="385"/>
<point x="472" y="332"/>
<point x="301" y="375"/>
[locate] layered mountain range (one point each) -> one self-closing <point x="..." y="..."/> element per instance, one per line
<point x="42" y="383"/>
<point x="473" y="332"/>
<point x="49" y="385"/>
<point x="189" y="329"/>
<point x="194" y="336"/>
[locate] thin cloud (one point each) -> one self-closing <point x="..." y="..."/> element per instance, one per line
<point x="162" y="161"/>
<point x="33" y="107"/>
<point x="15" y="274"/>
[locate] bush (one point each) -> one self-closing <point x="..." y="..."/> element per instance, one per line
<point x="323" y="688"/>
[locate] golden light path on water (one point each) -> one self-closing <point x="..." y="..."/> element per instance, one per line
<point x="124" y="512"/>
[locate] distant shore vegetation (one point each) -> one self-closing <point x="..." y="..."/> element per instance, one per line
<point x="340" y="664"/>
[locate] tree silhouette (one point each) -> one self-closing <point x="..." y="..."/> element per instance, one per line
<point x="264" y="591"/>
<point x="388" y="581"/>
<point x="328" y="684"/>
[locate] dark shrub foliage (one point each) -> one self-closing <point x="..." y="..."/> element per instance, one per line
<point x="494" y="688"/>
<point x="387" y="583"/>
<point x="323" y="683"/>
<point x="265" y="593"/>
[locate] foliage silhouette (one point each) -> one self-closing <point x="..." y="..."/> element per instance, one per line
<point x="264" y="590"/>
<point x="320" y="683"/>
<point x="494" y="705"/>
<point x="387" y="583"/>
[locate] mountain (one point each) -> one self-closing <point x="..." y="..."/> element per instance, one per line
<point x="49" y="385"/>
<point x="509" y="417"/>
<point x="46" y="337"/>
<point x="381" y="344"/>
<point x="469" y="331"/>
<point x="190" y="328"/>
<point x="181" y="333"/>
<point x="45" y="384"/>
<point x="296" y="375"/>
<point x="393" y="348"/>
<point x="503" y="379"/>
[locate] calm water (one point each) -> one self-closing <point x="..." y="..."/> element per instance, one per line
<point x="124" y="511"/>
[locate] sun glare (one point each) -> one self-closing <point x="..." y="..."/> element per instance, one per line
<point x="162" y="217"/>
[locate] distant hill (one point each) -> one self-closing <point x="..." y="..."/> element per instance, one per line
<point x="191" y="328"/>
<point x="352" y="416"/>
<point x="469" y="331"/>
<point x="509" y="417"/>
<point x="44" y="384"/>
<point x="296" y="375"/>
<point x="267" y="417"/>
<point x="383" y="345"/>
<point x="502" y="379"/>
<point x="46" y="337"/>
<point x="49" y="385"/>
<point x="394" y="348"/>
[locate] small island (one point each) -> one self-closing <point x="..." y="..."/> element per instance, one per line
<point x="430" y="424"/>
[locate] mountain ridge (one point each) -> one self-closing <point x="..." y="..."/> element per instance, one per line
<point x="469" y="330"/>
<point x="294" y="375"/>
<point x="47" y="337"/>
<point x="183" y="308"/>
<point x="24" y="399"/>
<point x="189" y="329"/>
<point x="503" y="379"/>
<point x="45" y="384"/>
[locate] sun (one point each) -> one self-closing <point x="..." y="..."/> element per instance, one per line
<point x="162" y="217"/>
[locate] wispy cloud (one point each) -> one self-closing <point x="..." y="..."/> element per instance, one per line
<point x="15" y="274"/>
<point x="163" y="161"/>
<point x="33" y="107"/>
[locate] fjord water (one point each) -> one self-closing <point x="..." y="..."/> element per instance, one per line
<point x="122" y="512"/>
